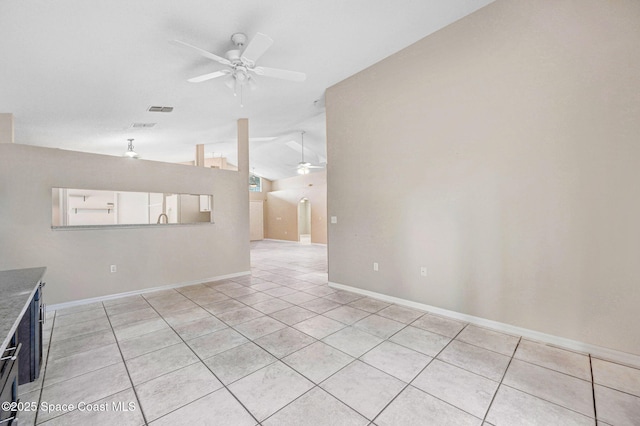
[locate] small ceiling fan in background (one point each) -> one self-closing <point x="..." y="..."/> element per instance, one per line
<point x="305" y="167"/>
<point x="241" y="63"/>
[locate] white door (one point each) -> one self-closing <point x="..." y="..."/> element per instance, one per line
<point x="256" y="220"/>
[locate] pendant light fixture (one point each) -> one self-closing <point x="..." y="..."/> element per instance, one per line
<point x="303" y="166"/>
<point x="253" y="179"/>
<point x="130" y="152"/>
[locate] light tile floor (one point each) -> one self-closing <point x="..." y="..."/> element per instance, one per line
<point x="280" y="347"/>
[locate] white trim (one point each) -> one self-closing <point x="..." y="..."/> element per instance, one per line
<point x="144" y="290"/>
<point x="290" y="241"/>
<point x="573" y="345"/>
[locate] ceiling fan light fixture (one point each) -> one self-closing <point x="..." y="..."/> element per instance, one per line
<point x="241" y="75"/>
<point x="241" y="63"/>
<point x="130" y="153"/>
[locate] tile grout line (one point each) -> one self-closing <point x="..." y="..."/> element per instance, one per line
<point x="89" y="372"/>
<point x="298" y="372"/>
<point x="530" y="394"/>
<point x="548" y="401"/>
<point x="203" y="363"/>
<point x="294" y="369"/>
<point x="540" y="398"/>
<point x="133" y="388"/>
<point x="298" y="397"/>
<point x="549" y="369"/>
<point x="424" y="368"/>
<point x="593" y="390"/>
<point x="484" y="419"/>
<point x="384" y="372"/>
<point x="46" y="365"/>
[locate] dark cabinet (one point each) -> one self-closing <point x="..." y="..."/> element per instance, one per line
<point x="9" y="380"/>
<point x="21" y="317"/>
<point x="30" y="337"/>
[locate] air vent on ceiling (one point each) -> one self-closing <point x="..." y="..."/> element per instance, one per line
<point x="142" y="125"/>
<point x="160" y="109"/>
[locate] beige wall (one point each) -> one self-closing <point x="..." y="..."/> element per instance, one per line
<point x="266" y="187"/>
<point x="282" y="207"/>
<point x="6" y="127"/>
<point x="503" y="154"/>
<point x="78" y="260"/>
<point x="256" y="220"/>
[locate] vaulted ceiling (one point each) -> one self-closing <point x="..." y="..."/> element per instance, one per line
<point x="77" y="75"/>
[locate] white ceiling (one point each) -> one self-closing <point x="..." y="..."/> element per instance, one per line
<point x="77" y="74"/>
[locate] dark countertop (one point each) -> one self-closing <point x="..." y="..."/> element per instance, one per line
<point x="17" y="287"/>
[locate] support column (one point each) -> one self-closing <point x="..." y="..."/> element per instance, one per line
<point x="200" y="155"/>
<point x="243" y="147"/>
<point x="243" y="172"/>
<point x="6" y="127"/>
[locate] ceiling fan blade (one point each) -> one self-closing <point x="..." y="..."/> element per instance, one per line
<point x="295" y="146"/>
<point x="209" y="76"/>
<point x="278" y="73"/>
<point x="316" y="167"/>
<point x="204" y="53"/>
<point x="256" y="48"/>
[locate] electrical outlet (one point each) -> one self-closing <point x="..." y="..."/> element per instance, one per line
<point x="113" y="268"/>
<point x="375" y="266"/>
<point x="334" y="219"/>
<point x="423" y="271"/>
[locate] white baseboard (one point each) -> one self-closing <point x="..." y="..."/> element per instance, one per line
<point x="289" y="241"/>
<point x="573" y="345"/>
<point x="144" y="290"/>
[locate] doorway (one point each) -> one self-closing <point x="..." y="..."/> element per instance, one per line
<point x="304" y="221"/>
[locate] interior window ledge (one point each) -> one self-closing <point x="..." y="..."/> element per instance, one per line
<point x="124" y="226"/>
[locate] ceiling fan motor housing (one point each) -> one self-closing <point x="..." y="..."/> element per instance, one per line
<point x="239" y="39"/>
<point x="233" y="55"/>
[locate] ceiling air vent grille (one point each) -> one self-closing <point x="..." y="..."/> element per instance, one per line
<point x="160" y="109"/>
<point x="142" y="125"/>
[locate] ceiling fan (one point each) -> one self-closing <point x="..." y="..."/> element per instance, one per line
<point x="305" y="167"/>
<point x="241" y="63"/>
